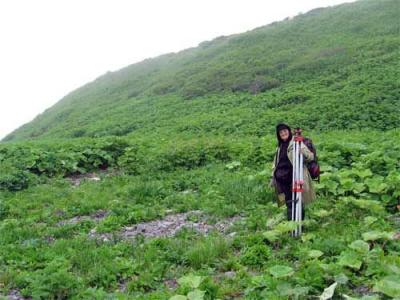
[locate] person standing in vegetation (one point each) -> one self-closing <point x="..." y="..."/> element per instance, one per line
<point x="282" y="170"/>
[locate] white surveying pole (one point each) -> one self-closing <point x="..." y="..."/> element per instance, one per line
<point x="298" y="181"/>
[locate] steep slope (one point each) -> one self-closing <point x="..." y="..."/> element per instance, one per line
<point x="330" y="68"/>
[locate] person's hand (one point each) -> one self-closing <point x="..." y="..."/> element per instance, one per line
<point x="302" y="149"/>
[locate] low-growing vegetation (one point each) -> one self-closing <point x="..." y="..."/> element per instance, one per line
<point x="351" y="237"/>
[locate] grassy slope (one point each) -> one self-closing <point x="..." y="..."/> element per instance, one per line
<point x="329" y="68"/>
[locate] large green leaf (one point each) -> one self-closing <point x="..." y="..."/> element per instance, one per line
<point x="341" y="278"/>
<point x="362" y="298"/>
<point x="364" y="173"/>
<point x="315" y="253"/>
<point x="350" y="259"/>
<point x="394" y="269"/>
<point x="275" y="220"/>
<point x="370" y="205"/>
<point x="376" y="185"/>
<point x="377" y="235"/>
<point x="233" y="165"/>
<point x="178" y="297"/>
<point x="286" y="289"/>
<point x="360" y="246"/>
<point x="358" y="187"/>
<point x="389" y="286"/>
<point x="190" y="281"/>
<point x="332" y="186"/>
<point x="369" y="220"/>
<point x="346" y="183"/>
<point x="286" y="226"/>
<point x="322" y="213"/>
<point x="280" y="271"/>
<point x="307" y="236"/>
<point x="196" y="295"/>
<point x="271" y="235"/>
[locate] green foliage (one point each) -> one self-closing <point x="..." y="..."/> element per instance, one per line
<point x="315" y="253"/>
<point x="360" y="246"/>
<point x="191" y="282"/>
<point x="281" y="271"/>
<point x="256" y="255"/>
<point x="22" y="163"/>
<point x="346" y="236"/>
<point x="13" y="179"/>
<point x="55" y="281"/>
<point x="350" y="259"/>
<point x="389" y="286"/>
<point x="206" y="252"/>
<point x="377" y="235"/>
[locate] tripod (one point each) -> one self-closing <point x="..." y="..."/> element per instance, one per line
<point x="297" y="181"/>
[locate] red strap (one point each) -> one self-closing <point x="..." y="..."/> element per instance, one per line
<point x="298" y="138"/>
<point x="298" y="186"/>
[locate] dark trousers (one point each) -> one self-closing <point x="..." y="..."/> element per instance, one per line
<point x="287" y="190"/>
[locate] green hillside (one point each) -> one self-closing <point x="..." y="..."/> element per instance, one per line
<point x="152" y="182"/>
<point x="333" y="68"/>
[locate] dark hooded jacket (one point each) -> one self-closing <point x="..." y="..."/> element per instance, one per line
<point x="282" y="168"/>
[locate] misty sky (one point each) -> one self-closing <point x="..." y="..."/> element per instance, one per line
<point x="49" y="48"/>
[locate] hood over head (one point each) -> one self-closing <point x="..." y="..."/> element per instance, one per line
<point x="280" y="127"/>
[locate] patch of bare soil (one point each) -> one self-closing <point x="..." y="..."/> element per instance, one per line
<point x="14" y="294"/>
<point x="171" y="284"/>
<point x="78" y="178"/>
<point x="362" y="290"/>
<point x="169" y="226"/>
<point x="96" y="217"/>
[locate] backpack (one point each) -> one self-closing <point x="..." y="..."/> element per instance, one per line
<point x="312" y="166"/>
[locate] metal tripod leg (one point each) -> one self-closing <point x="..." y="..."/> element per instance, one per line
<point x="297" y="183"/>
<point x="294" y="194"/>
<point x="300" y="204"/>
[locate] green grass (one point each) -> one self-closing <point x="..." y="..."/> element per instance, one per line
<point x="45" y="260"/>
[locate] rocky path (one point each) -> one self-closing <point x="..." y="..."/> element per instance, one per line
<point x="13" y="295"/>
<point x="170" y="225"/>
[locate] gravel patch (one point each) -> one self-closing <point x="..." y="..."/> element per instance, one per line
<point x="78" y="178"/>
<point x="96" y="217"/>
<point x="171" y="284"/>
<point x="363" y="290"/>
<point x="169" y="226"/>
<point x="14" y="294"/>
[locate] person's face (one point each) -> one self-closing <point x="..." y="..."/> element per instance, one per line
<point x="284" y="134"/>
